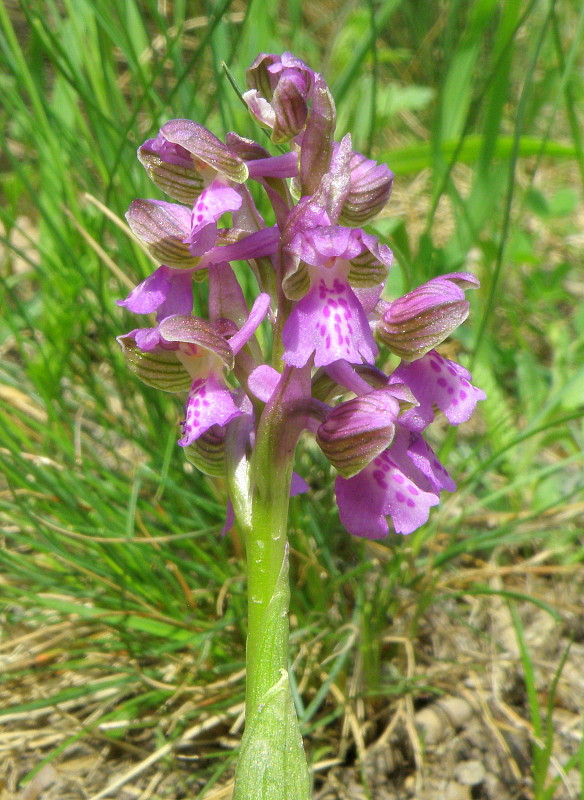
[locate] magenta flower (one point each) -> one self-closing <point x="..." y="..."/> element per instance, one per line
<point x="437" y="382"/>
<point x="369" y="188"/>
<point x="177" y="235"/>
<point x="329" y="321"/>
<point x="209" y="403"/>
<point x="185" y="158"/>
<point x="320" y="281"/>
<point x="401" y="484"/>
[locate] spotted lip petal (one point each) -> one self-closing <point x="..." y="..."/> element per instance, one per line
<point x="437" y="381"/>
<point x="209" y="403"/>
<point x="329" y="322"/>
<point x="216" y="200"/>
<point x="383" y="489"/>
<point x="402" y="483"/>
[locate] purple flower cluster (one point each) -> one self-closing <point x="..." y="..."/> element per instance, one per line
<point x="320" y="281"/>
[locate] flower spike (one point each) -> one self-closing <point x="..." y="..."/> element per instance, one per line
<point x="319" y="280"/>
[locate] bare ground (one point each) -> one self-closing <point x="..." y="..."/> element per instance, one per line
<point x="471" y="737"/>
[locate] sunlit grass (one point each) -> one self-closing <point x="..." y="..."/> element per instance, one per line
<point x="477" y="108"/>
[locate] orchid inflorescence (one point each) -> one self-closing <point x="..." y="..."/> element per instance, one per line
<point x="320" y="278"/>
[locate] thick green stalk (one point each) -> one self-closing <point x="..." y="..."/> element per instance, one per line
<point x="272" y="764"/>
<point x="268" y="589"/>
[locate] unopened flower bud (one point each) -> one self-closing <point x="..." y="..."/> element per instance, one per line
<point x="295" y="102"/>
<point x="415" y="323"/>
<point x="207" y="453"/>
<point x="278" y="94"/>
<point x="370" y="188"/>
<point x="358" y="430"/>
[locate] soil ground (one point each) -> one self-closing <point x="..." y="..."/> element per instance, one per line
<point x="472" y="737"/>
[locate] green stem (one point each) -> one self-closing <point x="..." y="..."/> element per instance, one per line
<point x="272" y="764"/>
<point x="267" y="582"/>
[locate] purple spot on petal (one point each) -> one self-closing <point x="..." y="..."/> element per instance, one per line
<point x="379" y="478"/>
<point x="400" y="497"/>
<point x="442" y="382"/>
<point x="397" y="477"/>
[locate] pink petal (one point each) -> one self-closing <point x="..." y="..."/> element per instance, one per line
<point x="435" y="380"/>
<point x="209" y="403"/>
<point x="330" y="322"/>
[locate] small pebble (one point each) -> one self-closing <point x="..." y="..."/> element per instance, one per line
<point x="469" y="773"/>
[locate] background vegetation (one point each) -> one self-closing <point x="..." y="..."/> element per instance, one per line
<point x="123" y="608"/>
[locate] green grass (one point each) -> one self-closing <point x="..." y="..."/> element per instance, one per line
<point x="476" y="106"/>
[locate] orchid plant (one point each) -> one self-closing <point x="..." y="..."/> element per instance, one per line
<point x="320" y="279"/>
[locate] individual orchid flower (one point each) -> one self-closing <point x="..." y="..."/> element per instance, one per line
<point x="328" y="319"/>
<point x="184" y="351"/>
<point x="436" y="381"/>
<point x="370" y="186"/>
<point x="355" y="431"/>
<point x="176" y="235"/>
<point x="402" y="483"/>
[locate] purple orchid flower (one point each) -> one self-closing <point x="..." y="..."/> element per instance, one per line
<point x="329" y="321"/>
<point x="420" y="320"/>
<point x="320" y="283"/>
<point x="436" y="381"/>
<point x="401" y="483"/>
<point x="192" y="349"/>
<point x="176" y="235"/>
<point x="368" y="190"/>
